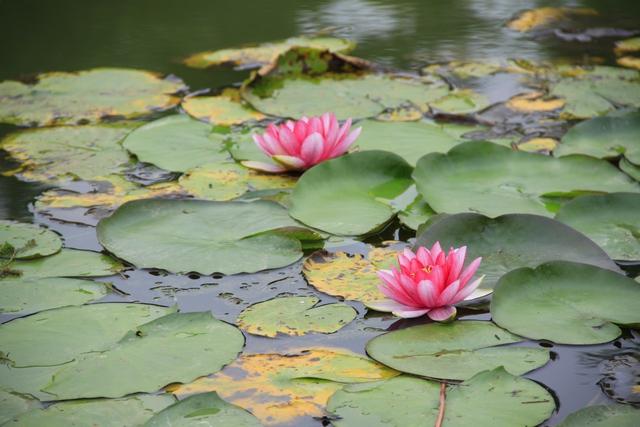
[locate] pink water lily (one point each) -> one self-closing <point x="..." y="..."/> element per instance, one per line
<point x="298" y="145"/>
<point x="427" y="282"/>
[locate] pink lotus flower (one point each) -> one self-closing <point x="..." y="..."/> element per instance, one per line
<point x="427" y="282"/>
<point x="299" y="145"/>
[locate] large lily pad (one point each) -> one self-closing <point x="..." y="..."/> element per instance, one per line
<point x="225" y="109"/>
<point x="86" y="96"/>
<point x="604" y="137"/>
<point x="279" y="388"/>
<point x="31" y="295"/>
<point x="254" y="56"/>
<point x="68" y="152"/>
<point x="294" y="316"/>
<point x="416" y="213"/>
<point x="410" y="140"/>
<point x="345" y="95"/>
<point x="461" y="102"/>
<point x="27" y="381"/>
<point x="566" y="302"/>
<point x="129" y="412"/>
<point x="226" y="181"/>
<point x="201" y="236"/>
<point x="455" y="351"/>
<point x="13" y="404"/>
<point x="603" y="416"/>
<point x="58" y="336"/>
<point x="27" y="240"/>
<point x="489" y="399"/>
<point x="202" y="410"/>
<point x="531" y="19"/>
<point x="493" y="180"/>
<point x="350" y="195"/>
<point x="178" y="347"/>
<point x="610" y="220"/>
<point x="352" y="277"/>
<point x="513" y="241"/>
<point x="67" y="263"/>
<point x="176" y="143"/>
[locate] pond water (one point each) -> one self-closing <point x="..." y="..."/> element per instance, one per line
<point x="68" y="35"/>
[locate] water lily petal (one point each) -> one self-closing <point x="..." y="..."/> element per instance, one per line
<point x="312" y="148"/>
<point x="409" y="314"/>
<point x="262" y="145"/>
<point x="467" y="290"/>
<point x="470" y="271"/>
<point x="300" y="130"/>
<point x="442" y="314"/>
<point x="427" y="293"/>
<point x="290" y="162"/>
<point x="387" y="306"/>
<point x="289" y="142"/>
<point x="448" y="294"/>
<point x="273" y="146"/>
<point x="263" y="167"/>
<point x="342" y="146"/>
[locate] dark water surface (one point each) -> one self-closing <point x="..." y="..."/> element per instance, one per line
<point x="39" y="36"/>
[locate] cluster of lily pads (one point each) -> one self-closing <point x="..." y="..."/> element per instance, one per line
<point x="548" y="212"/>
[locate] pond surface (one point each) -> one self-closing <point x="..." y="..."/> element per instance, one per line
<point x="156" y="35"/>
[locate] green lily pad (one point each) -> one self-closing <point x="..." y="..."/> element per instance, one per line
<point x="489" y="399"/>
<point x="416" y="213"/>
<point x="226" y="181"/>
<point x="27" y="240"/>
<point x="294" y="316"/>
<point x="13" y="404"/>
<point x="58" y="336"/>
<point x="69" y="152"/>
<point x="31" y="295"/>
<point x="463" y="101"/>
<point x="27" y="381"/>
<point x="86" y="96"/>
<point x="279" y="388"/>
<point x="629" y="168"/>
<point x="202" y="410"/>
<point x="566" y="303"/>
<point x="513" y="241"/>
<point x="201" y="236"/>
<point x="129" y="412"/>
<point x="222" y="110"/>
<point x="605" y="138"/>
<point x="264" y="53"/>
<point x="455" y="351"/>
<point x="176" y="143"/>
<point x="610" y="220"/>
<point x="350" y="195"/>
<point x="603" y="416"/>
<point x="67" y="263"/>
<point x="178" y="347"/>
<point x="486" y="178"/>
<point x="409" y="140"/>
<point x="348" y="96"/>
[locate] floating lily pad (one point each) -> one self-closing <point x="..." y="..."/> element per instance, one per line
<point x="68" y="152"/>
<point x="630" y="169"/>
<point x="58" y="336"/>
<point x="532" y="19"/>
<point x="513" y="241"/>
<point x="129" y="412"/>
<point x="352" y="277"/>
<point x="27" y="381"/>
<point x="206" y="409"/>
<point x="492" y="180"/>
<point x="610" y="220"/>
<point x="176" y="143"/>
<point x="350" y="195"/>
<point x="27" y="240"/>
<point x="603" y="416"/>
<point x="279" y="388"/>
<point x="86" y="96"/>
<point x="409" y="140"/>
<point x="538" y="145"/>
<point x="629" y="62"/>
<point x="225" y="109"/>
<point x="294" y="316"/>
<point x="254" y="56"/>
<point x="535" y="102"/>
<point x="628" y="45"/>
<point x="605" y="138"/>
<point x="416" y="213"/>
<point x="226" y="181"/>
<point x="31" y="295"/>
<point x="178" y="347"/>
<point x="13" y="404"/>
<point x="201" y="236"/>
<point x="68" y="263"/>
<point x="564" y="302"/>
<point x="490" y="399"/>
<point x="348" y="96"/>
<point x="464" y="101"/>
<point x="455" y="351"/>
